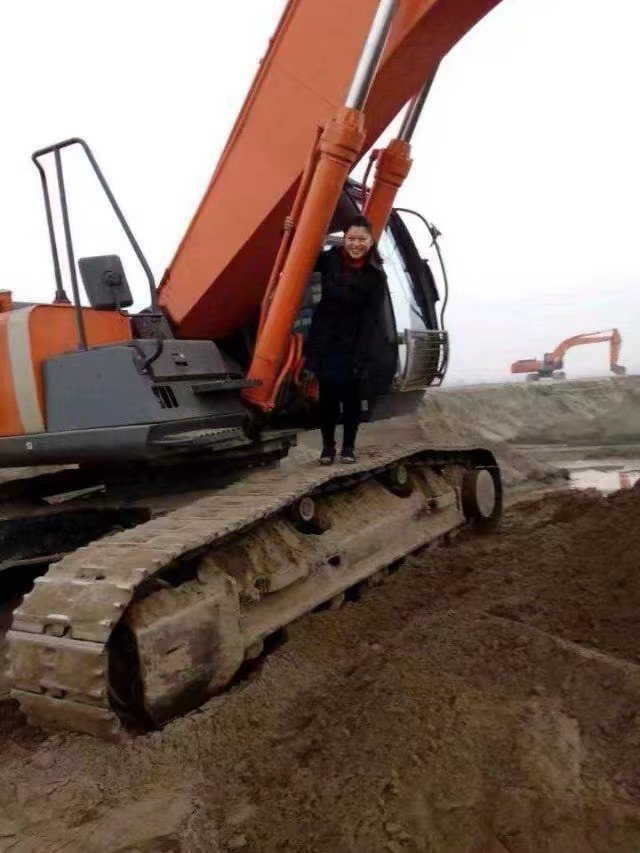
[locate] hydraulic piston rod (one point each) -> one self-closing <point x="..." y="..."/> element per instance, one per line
<point x="371" y="54"/>
<point x="414" y="111"/>
<point x="393" y="165"/>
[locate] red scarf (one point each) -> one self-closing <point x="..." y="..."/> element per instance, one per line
<point x="352" y="263"/>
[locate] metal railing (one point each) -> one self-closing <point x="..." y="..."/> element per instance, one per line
<point x="61" y="296"/>
<point x="427" y="359"/>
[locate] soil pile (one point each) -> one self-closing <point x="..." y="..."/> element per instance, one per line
<point x="484" y="697"/>
<point x="605" y="411"/>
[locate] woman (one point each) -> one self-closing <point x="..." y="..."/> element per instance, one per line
<point x="337" y="349"/>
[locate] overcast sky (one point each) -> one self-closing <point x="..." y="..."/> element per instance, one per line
<point x="527" y="157"/>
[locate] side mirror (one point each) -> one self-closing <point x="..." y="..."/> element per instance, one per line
<point x="105" y="282"/>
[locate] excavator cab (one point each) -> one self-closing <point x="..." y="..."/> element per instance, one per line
<point x="423" y="342"/>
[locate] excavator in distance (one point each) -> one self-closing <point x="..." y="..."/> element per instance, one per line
<point x="552" y="365"/>
<point x="147" y="572"/>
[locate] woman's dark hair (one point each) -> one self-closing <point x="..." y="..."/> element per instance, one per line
<point x="361" y="221"/>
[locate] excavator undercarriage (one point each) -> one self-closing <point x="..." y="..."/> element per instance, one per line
<point x="146" y="623"/>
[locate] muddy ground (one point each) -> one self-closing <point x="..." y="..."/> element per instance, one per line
<point x="484" y="697"/>
<point x="486" y="693"/>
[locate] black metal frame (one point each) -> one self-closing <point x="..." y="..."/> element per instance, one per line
<point x="434" y="234"/>
<point x="427" y="359"/>
<point x="60" y="295"/>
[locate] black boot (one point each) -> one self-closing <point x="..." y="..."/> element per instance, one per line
<point x="348" y="456"/>
<point x="328" y="454"/>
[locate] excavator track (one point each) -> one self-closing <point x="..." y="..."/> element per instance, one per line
<point x="143" y="625"/>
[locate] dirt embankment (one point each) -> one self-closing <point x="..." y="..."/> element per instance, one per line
<point x="601" y="411"/>
<point x="485" y="696"/>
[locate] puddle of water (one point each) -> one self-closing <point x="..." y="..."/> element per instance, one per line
<point x="592" y="466"/>
<point x="606" y="481"/>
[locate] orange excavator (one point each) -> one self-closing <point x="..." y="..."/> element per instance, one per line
<point x="167" y="553"/>
<point x="552" y="365"/>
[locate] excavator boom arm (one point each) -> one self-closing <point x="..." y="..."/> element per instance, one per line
<point x="582" y="340"/>
<point x="219" y="274"/>
<point x="613" y="336"/>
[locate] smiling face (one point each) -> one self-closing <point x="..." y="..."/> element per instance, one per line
<point x="357" y="242"/>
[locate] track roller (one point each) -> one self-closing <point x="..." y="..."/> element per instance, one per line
<point x="254" y="651"/>
<point x="480" y="498"/>
<point x="396" y="479"/>
<point x="303" y="514"/>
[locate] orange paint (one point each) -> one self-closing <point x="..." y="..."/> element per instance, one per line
<point x="218" y="277"/>
<point x="52" y="331"/>
<point x="339" y="147"/>
<point x="553" y="360"/>
<point x="10" y="423"/>
<point x="392" y="167"/>
<point x="6" y="300"/>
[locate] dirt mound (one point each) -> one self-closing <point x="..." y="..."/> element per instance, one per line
<point x="484" y="697"/>
<point x="605" y="411"/>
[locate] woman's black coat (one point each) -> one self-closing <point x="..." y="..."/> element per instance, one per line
<point x="341" y="342"/>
